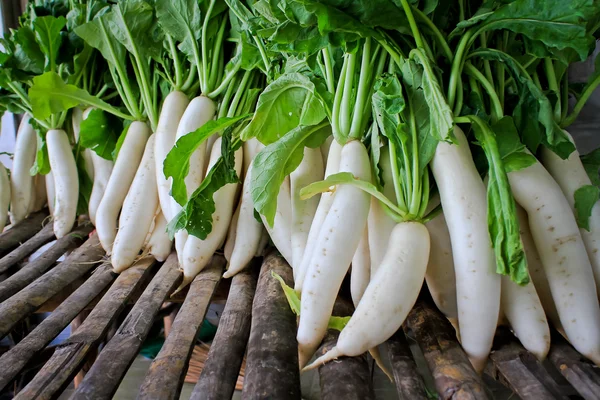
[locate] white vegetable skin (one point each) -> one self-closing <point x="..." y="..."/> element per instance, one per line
<point x="563" y="256"/>
<point x="39" y="197"/>
<point x="66" y="181"/>
<point x="360" y="274"/>
<point x="200" y="110"/>
<point x="78" y="116"/>
<point x="570" y="176"/>
<point x="523" y="309"/>
<point x="391" y="294"/>
<point x="102" y="171"/>
<point x="138" y="212"/>
<point x="463" y="197"/>
<point x="281" y="231"/>
<point x="21" y="181"/>
<point x="249" y="231"/>
<point x="332" y="167"/>
<point x="120" y="180"/>
<point x="4" y="196"/>
<point x="171" y="113"/>
<point x="380" y="224"/>
<point x="303" y="211"/>
<point x="159" y="244"/>
<point x="197" y="252"/>
<point x="50" y="191"/>
<point x="231" y="235"/>
<point x="264" y="241"/>
<point x="337" y="241"/>
<point x="536" y="270"/>
<point x="440" y="275"/>
<point x="251" y="148"/>
<point x="325" y="147"/>
<point x="197" y="113"/>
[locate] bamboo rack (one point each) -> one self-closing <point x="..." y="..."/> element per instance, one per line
<point x="254" y="349"/>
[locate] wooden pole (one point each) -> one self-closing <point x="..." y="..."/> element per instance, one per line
<point x="272" y="356"/>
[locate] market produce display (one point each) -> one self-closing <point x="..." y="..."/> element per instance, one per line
<point x="401" y="142"/>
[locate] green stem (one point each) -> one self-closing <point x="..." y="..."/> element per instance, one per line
<point x="486" y="63"/>
<point x="536" y="80"/>
<point x="328" y="69"/>
<point x="226" y="98"/>
<point x="224" y="84"/>
<point x="497" y="112"/>
<point x="263" y="53"/>
<point x="20" y="93"/>
<point x="396" y="177"/>
<point x="363" y="92"/>
<point x="412" y="23"/>
<point x="337" y="101"/>
<point x="457" y="65"/>
<point x="123" y="79"/>
<point x="347" y="100"/>
<point x="436" y="33"/>
<point x="216" y="67"/>
<point x="415" y="201"/>
<point x="459" y="99"/>
<point x="204" y="80"/>
<point x="581" y="102"/>
<point x="238" y="94"/>
<point x="189" y="81"/>
<point x="425" y="195"/>
<point x="553" y="86"/>
<point x="564" y="96"/>
<point x="176" y="62"/>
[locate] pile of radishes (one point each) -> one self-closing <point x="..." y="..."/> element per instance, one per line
<point x="399" y="142"/>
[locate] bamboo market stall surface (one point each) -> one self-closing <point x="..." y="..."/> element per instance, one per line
<point x="257" y="328"/>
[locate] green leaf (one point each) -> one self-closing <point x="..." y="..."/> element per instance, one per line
<point x="96" y="34"/>
<point x="177" y="162"/>
<point x="281" y="106"/>
<point x="513" y="153"/>
<point x="48" y="34"/>
<point x="328" y="185"/>
<point x="27" y="54"/>
<point x="558" y="24"/>
<point x="337" y="323"/>
<point x="533" y="114"/>
<point x="290" y="294"/>
<point x="441" y="119"/>
<point x="278" y="160"/>
<point x="591" y="163"/>
<point x="503" y="223"/>
<point x="133" y="24"/>
<point x="49" y="94"/>
<point x="586" y="198"/>
<point x="196" y="216"/>
<point x="181" y="19"/>
<point x="42" y="161"/>
<point x="99" y="132"/>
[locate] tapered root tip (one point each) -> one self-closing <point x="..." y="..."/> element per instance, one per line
<point x="377" y="357"/>
<point x="305" y="353"/>
<point x="186" y="281"/>
<point x="329" y="356"/>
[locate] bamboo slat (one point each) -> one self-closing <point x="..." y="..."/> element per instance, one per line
<point x="69" y="356"/>
<point x="44" y="262"/>
<point x="454" y="376"/>
<point x="20" y="253"/>
<point x="22" y="304"/>
<point x="16" y="358"/>
<point x="272" y="358"/>
<point x="103" y="379"/>
<point x="22" y="231"/>
<point x="168" y="370"/>
<point x="347" y="377"/>
<point x="220" y="373"/>
<point x="409" y="383"/>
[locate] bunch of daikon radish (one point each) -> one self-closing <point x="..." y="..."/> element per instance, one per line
<point x="399" y="142"/>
